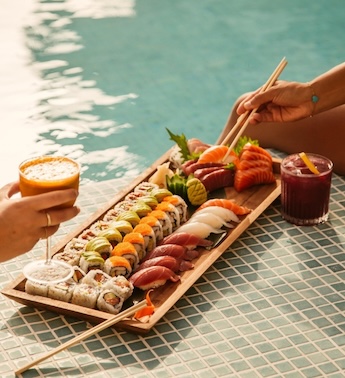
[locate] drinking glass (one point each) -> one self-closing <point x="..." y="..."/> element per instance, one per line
<point x="40" y="175"/>
<point x="305" y="195"/>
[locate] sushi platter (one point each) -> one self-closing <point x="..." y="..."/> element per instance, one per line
<point x="256" y="198"/>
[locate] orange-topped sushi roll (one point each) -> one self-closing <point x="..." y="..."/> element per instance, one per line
<point x="148" y="234"/>
<point x="164" y="220"/>
<point x="128" y="251"/>
<point x="117" y="266"/>
<point x="155" y="224"/>
<point x="171" y="212"/>
<point x="137" y="240"/>
<point x="180" y="205"/>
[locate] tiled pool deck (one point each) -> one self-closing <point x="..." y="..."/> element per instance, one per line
<point x="272" y="306"/>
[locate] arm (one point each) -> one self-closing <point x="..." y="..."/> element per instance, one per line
<point x="291" y="101"/>
<point x="23" y="220"/>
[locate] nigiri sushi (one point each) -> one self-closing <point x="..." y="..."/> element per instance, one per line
<point x="174" y="250"/>
<point x="226" y="214"/>
<point x="170" y="262"/>
<point x="200" y="229"/>
<point x="186" y="240"/>
<point x="153" y="277"/>
<point x="227" y="203"/>
<point x="210" y="219"/>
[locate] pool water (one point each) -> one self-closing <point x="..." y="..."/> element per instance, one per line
<point x="101" y="80"/>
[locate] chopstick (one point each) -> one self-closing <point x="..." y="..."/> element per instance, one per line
<point x="100" y="327"/>
<point x="246" y="116"/>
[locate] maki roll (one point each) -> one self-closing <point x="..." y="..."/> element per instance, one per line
<point x="85" y="295"/>
<point x="101" y="245"/>
<point x="129" y="216"/>
<point x="128" y="251"/>
<point x="180" y="204"/>
<point x="121" y="286"/>
<point x="141" y="208"/>
<point x="149" y="200"/>
<point x="172" y="213"/>
<point x="62" y="291"/>
<point x="117" y="266"/>
<point x="148" y="234"/>
<point x="145" y="187"/>
<point x="35" y="288"/>
<point x="96" y="277"/>
<point x="78" y="274"/>
<point x="99" y="226"/>
<point x="123" y="205"/>
<point x="138" y="241"/>
<point x="109" y="301"/>
<point x="113" y="235"/>
<point x="122" y="225"/>
<point x="91" y="260"/>
<point x="69" y="257"/>
<point x="160" y="193"/>
<point x="88" y="234"/>
<point x="156" y="226"/>
<point x="164" y="220"/>
<point x="111" y="215"/>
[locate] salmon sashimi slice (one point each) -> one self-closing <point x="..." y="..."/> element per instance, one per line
<point x="256" y="149"/>
<point x="251" y="155"/>
<point x="226" y="203"/>
<point x="216" y="154"/>
<point x="253" y="176"/>
<point x="247" y="164"/>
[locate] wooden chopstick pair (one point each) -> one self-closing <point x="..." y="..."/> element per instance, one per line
<point x="100" y="327"/>
<point x="243" y="120"/>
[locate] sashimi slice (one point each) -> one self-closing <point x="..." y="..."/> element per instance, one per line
<point x="247" y="164"/>
<point x="210" y="219"/>
<point x="153" y="277"/>
<point x="253" y="176"/>
<point x="219" y="178"/>
<point x="215" y="154"/>
<point x="187" y="240"/>
<point x="227" y="203"/>
<point x="251" y="155"/>
<point x="202" y="230"/>
<point x="257" y="149"/>
<point x="226" y="214"/>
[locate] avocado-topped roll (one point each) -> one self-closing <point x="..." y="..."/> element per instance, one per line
<point x="122" y="225"/>
<point x="113" y="235"/>
<point x="141" y="208"/>
<point x="91" y="260"/>
<point x="101" y="245"/>
<point x="129" y="216"/>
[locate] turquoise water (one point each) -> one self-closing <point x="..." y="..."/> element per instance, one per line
<point x="101" y="80"/>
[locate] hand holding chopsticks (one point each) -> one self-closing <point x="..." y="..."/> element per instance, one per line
<point x="100" y="327"/>
<point x="243" y="120"/>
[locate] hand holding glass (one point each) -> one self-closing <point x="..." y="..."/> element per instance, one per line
<point x="41" y="175"/>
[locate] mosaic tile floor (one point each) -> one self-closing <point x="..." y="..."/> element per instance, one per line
<point x="271" y="306"/>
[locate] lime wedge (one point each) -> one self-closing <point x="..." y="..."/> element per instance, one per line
<point x="308" y="163"/>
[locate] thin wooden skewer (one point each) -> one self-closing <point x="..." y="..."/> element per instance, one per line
<point x="100" y="327"/>
<point x="271" y="80"/>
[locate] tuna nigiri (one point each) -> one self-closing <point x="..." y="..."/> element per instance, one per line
<point x="169" y="249"/>
<point x="227" y="203"/>
<point x="187" y="240"/>
<point x="153" y="277"/>
<point x="170" y="262"/>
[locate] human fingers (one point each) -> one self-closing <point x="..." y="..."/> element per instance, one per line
<point x="9" y="190"/>
<point x="54" y="217"/>
<point x="52" y="199"/>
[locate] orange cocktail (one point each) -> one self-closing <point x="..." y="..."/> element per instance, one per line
<point x="47" y="173"/>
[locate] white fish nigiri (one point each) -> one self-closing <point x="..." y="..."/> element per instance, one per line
<point x="200" y="229"/>
<point x="226" y="214"/>
<point x="210" y="219"/>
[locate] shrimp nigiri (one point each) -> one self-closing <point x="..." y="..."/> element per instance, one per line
<point x="228" y="204"/>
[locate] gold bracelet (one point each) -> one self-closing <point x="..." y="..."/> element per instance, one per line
<point x="314" y="99"/>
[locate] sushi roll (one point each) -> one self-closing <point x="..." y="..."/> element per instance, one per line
<point x="160" y="193"/>
<point x="128" y="251"/>
<point x="148" y="234"/>
<point x="117" y="266"/>
<point x="85" y="295"/>
<point x="76" y="245"/>
<point x="111" y="215"/>
<point x="91" y="260"/>
<point x="129" y="216"/>
<point x="172" y="213"/>
<point x="122" y="225"/>
<point x="35" y="288"/>
<point x="121" y="286"/>
<point x="164" y="220"/>
<point x="101" y="245"/>
<point x="145" y="187"/>
<point x="156" y="226"/>
<point x="109" y="301"/>
<point x="78" y="274"/>
<point x="96" y="277"/>
<point x="180" y="204"/>
<point x="99" y="226"/>
<point x="88" y="234"/>
<point x="141" y="208"/>
<point x="138" y="241"/>
<point x="124" y="205"/>
<point x="69" y="257"/>
<point x="113" y="235"/>
<point x="149" y="200"/>
<point x="62" y="291"/>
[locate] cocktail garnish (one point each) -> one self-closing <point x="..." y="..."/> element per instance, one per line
<point x="308" y="163"/>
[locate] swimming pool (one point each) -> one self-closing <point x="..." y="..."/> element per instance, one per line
<point x="100" y="81"/>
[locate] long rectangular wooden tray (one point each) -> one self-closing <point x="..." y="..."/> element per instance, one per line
<point x="257" y="198"/>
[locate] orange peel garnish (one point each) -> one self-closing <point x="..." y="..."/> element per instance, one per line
<point x="148" y="310"/>
<point x="308" y="163"/>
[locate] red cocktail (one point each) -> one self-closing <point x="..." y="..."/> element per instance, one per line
<point x="305" y="195"/>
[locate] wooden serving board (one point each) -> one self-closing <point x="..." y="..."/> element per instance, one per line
<point x="257" y="198"/>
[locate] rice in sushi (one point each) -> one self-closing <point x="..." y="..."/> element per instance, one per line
<point x="109" y="301"/>
<point x="35" y="288"/>
<point x="91" y="260"/>
<point x="156" y="226"/>
<point x="62" y="291"/>
<point x="180" y="204"/>
<point x="85" y="295"/>
<point x="96" y="277"/>
<point x="172" y="213"/>
<point x="164" y="220"/>
<point x="148" y="234"/>
<point x="116" y="266"/>
<point x="121" y="286"/>
<point x="128" y="251"/>
<point x="138" y="242"/>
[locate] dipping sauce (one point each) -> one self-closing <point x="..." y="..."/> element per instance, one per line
<point x="47" y="173"/>
<point x="305" y="195"/>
